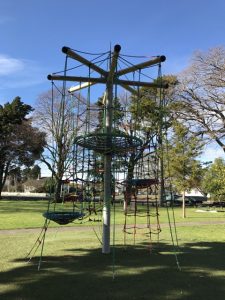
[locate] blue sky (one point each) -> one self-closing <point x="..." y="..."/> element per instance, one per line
<point x="33" y="33"/>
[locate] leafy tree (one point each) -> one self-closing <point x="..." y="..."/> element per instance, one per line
<point x="117" y="115"/>
<point x="49" y="185"/>
<point x="144" y="121"/>
<point x="184" y="170"/>
<point x="31" y="173"/>
<point x="20" y="143"/>
<point x="14" y="178"/>
<point x="150" y="112"/>
<point x="35" y="172"/>
<point x="97" y="167"/>
<point x="214" y="180"/>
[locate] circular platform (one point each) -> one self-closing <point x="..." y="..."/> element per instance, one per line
<point x="109" y="144"/>
<point x="63" y="217"/>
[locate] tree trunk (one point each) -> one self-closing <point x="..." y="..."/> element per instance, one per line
<point x="1" y="182"/>
<point x="1" y="191"/>
<point x="183" y="205"/>
<point x="3" y="174"/>
<point x="58" y="186"/>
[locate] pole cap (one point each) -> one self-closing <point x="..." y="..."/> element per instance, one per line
<point x="117" y="48"/>
<point x="65" y="49"/>
<point x="162" y="58"/>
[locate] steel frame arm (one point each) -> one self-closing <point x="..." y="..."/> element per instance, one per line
<point x="142" y="65"/>
<point x="88" y="63"/>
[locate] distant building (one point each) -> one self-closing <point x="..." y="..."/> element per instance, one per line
<point x="194" y="193"/>
<point x="35" y="185"/>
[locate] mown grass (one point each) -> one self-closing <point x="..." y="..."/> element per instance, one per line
<point x="73" y="266"/>
<point x="28" y="214"/>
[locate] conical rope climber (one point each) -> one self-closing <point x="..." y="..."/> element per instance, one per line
<point x="113" y="148"/>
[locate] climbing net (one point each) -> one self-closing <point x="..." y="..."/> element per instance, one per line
<point x="113" y="140"/>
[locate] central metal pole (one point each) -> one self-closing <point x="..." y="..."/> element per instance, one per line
<point x="108" y="156"/>
<point x="107" y="174"/>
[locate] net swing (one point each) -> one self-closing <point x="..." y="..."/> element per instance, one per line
<point x="65" y="122"/>
<point x="63" y="212"/>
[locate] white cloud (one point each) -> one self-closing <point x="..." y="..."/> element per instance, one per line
<point x="9" y="65"/>
<point x="16" y="73"/>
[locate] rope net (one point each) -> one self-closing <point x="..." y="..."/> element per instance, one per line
<point x="131" y="142"/>
<point x="125" y="133"/>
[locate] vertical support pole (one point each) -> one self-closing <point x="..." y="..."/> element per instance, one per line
<point x="108" y="157"/>
<point x="107" y="175"/>
<point x="183" y="205"/>
<point x="160" y="141"/>
<point x="161" y="191"/>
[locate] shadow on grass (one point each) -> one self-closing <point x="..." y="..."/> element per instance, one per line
<point x="87" y="274"/>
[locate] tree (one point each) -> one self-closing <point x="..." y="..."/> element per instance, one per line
<point x="151" y="112"/>
<point x="31" y="173"/>
<point x="214" y="180"/>
<point x="96" y="164"/>
<point x="184" y="170"/>
<point x="35" y="172"/>
<point x="200" y="95"/>
<point x="14" y="178"/>
<point x="61" y="116"/>
<point x="20" y="143"/>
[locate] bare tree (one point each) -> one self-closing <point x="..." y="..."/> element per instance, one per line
<point x="61" y="116"/>
<point x="201" y="95"/>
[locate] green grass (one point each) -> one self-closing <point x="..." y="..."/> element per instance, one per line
<point x="21" y="214"/>
<point x="28" y="214"/>
<point x="74" y="268"/>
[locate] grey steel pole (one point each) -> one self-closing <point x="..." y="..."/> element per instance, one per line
<point x="107" y="174"/>
<point x="108" y="156"/>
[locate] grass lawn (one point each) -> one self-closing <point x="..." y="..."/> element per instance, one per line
<point x="73" y="266"/>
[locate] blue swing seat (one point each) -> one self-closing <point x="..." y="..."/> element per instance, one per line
<point x="63" y="217"/>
